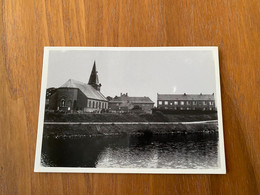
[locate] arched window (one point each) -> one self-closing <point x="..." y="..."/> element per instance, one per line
<point x="62" y="103"/>
<point x="75" y="105"/>
<point x="69" y="103"/>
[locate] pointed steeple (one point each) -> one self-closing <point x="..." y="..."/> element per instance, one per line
<point x="93" y="79"/>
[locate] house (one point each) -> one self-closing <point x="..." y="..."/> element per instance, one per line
<point x="125" y="103"/>
<point x="186" y="102"/>
<point x="76" y="96"/>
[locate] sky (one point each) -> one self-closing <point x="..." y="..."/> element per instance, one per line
<point x="138" y="73"/>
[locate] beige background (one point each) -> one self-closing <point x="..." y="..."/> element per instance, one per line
<point x="28" y="26"/>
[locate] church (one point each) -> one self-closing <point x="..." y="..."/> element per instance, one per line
<point x="76" y="96"/>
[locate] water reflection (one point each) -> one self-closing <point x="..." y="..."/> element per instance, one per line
<point x="174" y="151"/>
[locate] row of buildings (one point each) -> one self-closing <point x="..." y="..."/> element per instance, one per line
<point x="75" y="96"/>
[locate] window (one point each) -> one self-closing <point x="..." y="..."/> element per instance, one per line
<point x="175" y="102"/>
<point x="182" y="102"/>
<point x="160" y="102"/>
<point x="62" y="103"/>
<point x="89" y="104"/>
<point x="171" y="103"/>
<point x="165" y="102"/>
<point x="188" y="108"/>
<point x="188" y="102"/>
<point x="204" y="103"/>
<point x="194" y="103"/>
<point x="75" y="104"/>
<point x="69" y="103"/>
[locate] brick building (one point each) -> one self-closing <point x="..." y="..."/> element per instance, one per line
<point x="186" y="102"/>
<point x="77" y="96"/>
<point x="125" y="103"/>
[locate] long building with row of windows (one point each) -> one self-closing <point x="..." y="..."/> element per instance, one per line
<point x="203" y="102"/>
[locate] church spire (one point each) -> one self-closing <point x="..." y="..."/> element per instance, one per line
<point x="93" y="79"/>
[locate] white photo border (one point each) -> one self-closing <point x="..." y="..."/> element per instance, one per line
<point x="221" y="151"/>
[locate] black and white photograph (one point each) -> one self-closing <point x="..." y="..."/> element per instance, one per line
<point x="130" y="110"/>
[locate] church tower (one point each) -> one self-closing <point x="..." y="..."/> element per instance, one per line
<point x="93" y="79"/>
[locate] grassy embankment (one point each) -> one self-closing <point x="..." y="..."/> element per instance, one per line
<point x="126" y="129"/>
<point x="112" y="117"/>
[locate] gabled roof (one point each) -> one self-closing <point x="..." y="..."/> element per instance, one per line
<point x="140" y="100"/>
<point x="86" y="89"/>
<point x="185" y="97"/>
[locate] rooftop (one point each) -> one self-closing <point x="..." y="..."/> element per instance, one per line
<point x="125" y="97"/>
<point x="86" y="89"/>
<point x="185" y="96"/>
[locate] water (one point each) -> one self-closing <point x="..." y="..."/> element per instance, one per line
<point x="195" y="151"/>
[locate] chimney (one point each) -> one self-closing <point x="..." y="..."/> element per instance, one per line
<point x="184" y="93"/>
<point x="121" y="94"/>
<point x="126" y="94"/>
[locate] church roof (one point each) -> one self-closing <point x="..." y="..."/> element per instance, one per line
<point x="124" y="98"/>
<point x="86" y="89"/>
<point x="186" y="97"/>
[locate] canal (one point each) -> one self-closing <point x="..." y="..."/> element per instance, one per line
<point x="186" y="151"/>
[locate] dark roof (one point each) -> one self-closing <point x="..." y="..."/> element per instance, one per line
<point x="140" y="100"/>
<point x="185" y="97"/>
<point x="86" y="89"/>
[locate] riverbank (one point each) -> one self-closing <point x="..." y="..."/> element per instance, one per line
<point x="128" y="129"/>
<point x="128" y="117"/>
